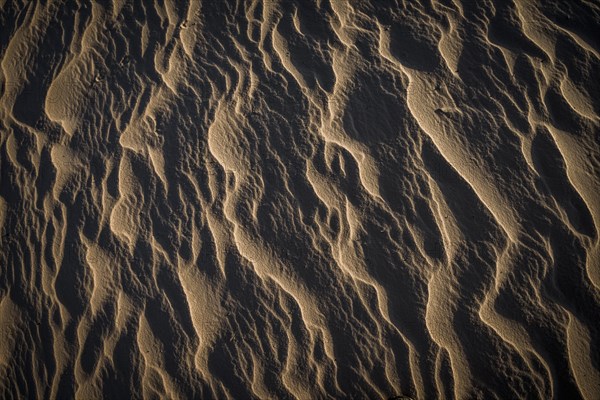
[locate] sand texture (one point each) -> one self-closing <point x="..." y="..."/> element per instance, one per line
<point x="316" y="199"/>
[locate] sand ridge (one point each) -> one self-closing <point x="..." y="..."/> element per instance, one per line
<point x="316" y="199"/>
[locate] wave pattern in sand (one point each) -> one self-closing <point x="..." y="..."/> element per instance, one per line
<point x="316" y="199"/>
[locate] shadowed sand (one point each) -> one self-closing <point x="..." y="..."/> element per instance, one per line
<point x="309" y="200"/>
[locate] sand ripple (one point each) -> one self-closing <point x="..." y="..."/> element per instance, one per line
<point x="315" y="199"/>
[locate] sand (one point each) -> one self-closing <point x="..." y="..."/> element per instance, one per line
<point x="300" y="199"/>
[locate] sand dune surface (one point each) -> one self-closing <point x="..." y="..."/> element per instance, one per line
<point x="320" y="199"/>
